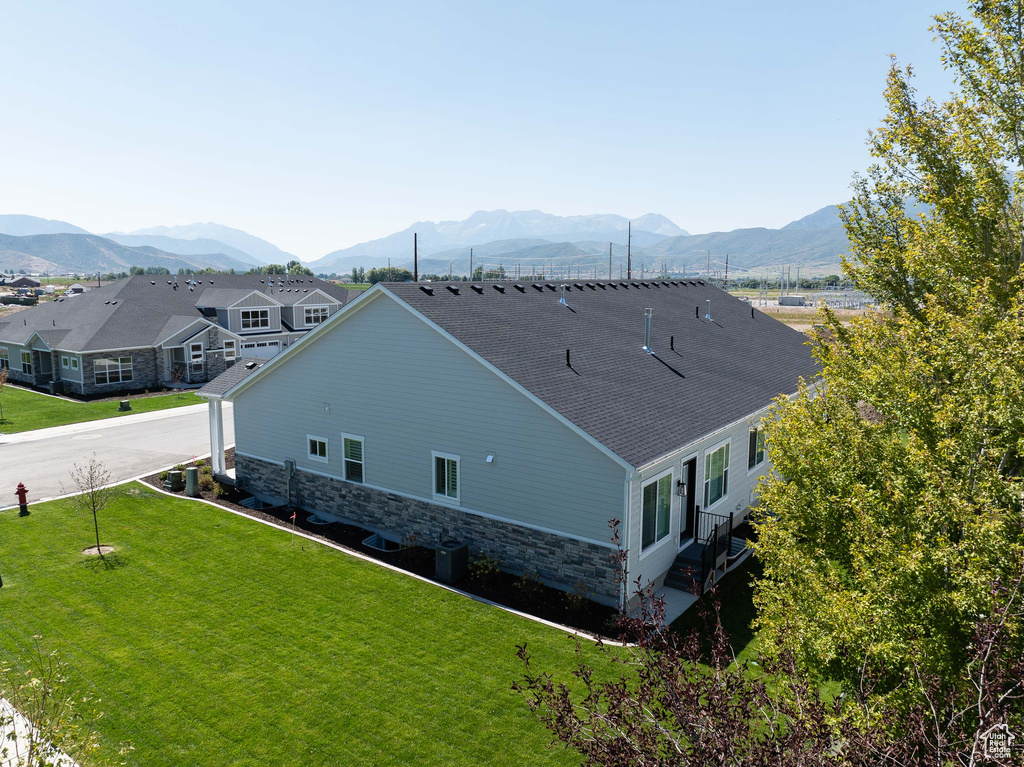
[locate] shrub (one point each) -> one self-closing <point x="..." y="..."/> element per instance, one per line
<point x="162" y="476"/>
<point x="201" y="462"/>
<point x="180" y="467"/>
<point x="579" y="596"/>
<point x="220" y="489"/>
<point x="484" y="569"/>
<point x="205" y="470"/>
<point x="206" y="483"/>
<point x="529" y="583"/>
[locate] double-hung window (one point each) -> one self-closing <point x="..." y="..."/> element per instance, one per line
<point x="26" y="363"/>
<point x="755" y="450"/>
<point x="314" y="315"/>
<point x="254" y="319"/>
<point x="113" y="370"/>
<point x="353" y="458"/>
<point x="446" y="476"/>
<point x="716" y="475"/>
<point x="317" y="448"/>
<point x="657" y="510"/>
<point x="5" y="360"/>
<point x="229" y="351"/>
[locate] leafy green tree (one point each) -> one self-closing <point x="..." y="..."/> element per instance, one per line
<point x="384" y="274"/>
<point x="896" y="498"/>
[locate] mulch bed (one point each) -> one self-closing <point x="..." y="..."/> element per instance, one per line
<point x="509" y="590"/>
<point x="117" y="397"/>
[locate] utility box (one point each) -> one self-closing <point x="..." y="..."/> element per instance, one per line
<point x="451" y="561"/>
<point x="175" y="482"/>
<point x="192" y="481"/>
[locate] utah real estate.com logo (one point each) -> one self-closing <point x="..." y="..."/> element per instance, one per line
<point x="998" y="742"/>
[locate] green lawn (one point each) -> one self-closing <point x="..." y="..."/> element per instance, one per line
<point x="735" y="591"/>
<point x="26" y="410"/>
<point x="216" y="640"/>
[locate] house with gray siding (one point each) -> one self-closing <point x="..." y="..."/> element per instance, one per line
<point x="523" y="419"/>
<point x="147" y="331"/>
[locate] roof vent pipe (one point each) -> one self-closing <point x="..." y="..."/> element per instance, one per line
<point x="562" y="299"/>
<point x="707" y="314"/>
<point x="648" y="313"/>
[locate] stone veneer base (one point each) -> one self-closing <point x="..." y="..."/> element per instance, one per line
<point x="559" y="561"/>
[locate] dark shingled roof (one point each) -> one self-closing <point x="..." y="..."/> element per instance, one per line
<point x="233" y="376"/>
<point x="144" y="310"/>
<point x="639" y="406"/>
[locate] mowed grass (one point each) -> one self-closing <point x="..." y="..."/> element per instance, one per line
<point x="26" y="410"/>
<point x="215" y="640"/>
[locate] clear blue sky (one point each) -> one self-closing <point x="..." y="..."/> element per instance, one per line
<point x="318" y="126"/>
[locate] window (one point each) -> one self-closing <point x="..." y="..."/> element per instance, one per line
<point x="5" y="361"/>
<point x="65" y="361"/>
<point x="317" y="448"/>
<point x="353" y="458"/>
<point x="74" y="363"/>
<point x="755" y="450"/>
<point x="26" y="363"/>
<point x="446" y="476"/>
<point x="716" y="475"/>
<point x="112" y="370"/>
<point x="315" y="314"/>
<point x="229" y="351"/>
<point x="255" y="318"/>
<point x="195" y="357"/>
<point x="657" y="510"/>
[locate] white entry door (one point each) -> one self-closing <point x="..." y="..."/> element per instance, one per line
<point x="260" y="348"/>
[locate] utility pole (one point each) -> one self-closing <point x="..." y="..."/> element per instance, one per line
<point x="707" y="271"/>
<point x="471" y="264"/>
<point x="415" y="258"/>
<point x="629" y="250"/>
<point x="726" y="271"/>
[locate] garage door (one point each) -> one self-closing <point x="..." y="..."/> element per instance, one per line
<point x="260" y="348"/>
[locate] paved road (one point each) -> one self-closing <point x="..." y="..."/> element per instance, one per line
<point x="127" y="447"/>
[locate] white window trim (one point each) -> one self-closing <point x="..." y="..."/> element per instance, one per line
<point x="31" y="367"/>
<point x="344" y="469"/>
<point x="74" y="363"/>
<point x="65" y="362"/>
<point x="434" y="455"/>
<point x="241" y="318"/>
<point x="305" y="309"/>
<point x="728" y="471"/>
<point x="5" y="358"/>
<point x="121" y="378"/>
<point x="757" y="468"/>
<point x="230" y="352"/>
<point x="327" y="449"/>
<point x="671" y="512"/>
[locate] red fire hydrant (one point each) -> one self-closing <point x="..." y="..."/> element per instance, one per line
<point x="22" y="493"/>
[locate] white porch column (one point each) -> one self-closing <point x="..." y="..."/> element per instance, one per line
<point x="216" y="436"/>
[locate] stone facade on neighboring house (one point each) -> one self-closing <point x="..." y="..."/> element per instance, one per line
<point x="557" y="560"/>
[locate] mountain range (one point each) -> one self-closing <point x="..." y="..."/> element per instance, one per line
<point x="529" y="241"/>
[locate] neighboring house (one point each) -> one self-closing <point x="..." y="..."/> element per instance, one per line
<point x="77" y="288"/>
<point x="150" y="331"/>
<point x="24" y="282"/>
<point x="522" y="422"/>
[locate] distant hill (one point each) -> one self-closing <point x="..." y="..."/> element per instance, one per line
<point x="262" y="251"/>
<point x="826" y="218"/>
<point x="89" y="253"/>
<point x="496" y="225"/>
<point x="21" y="225"/>
<point x="182" y="247"/>
<point x="816" y="240"/>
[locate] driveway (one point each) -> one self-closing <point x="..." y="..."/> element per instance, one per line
<point x="127" y="447"/>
